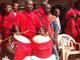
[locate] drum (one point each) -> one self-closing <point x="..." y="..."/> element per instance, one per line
<point x="42" y="46"/>
<point x="41" y="39"/>
<point x="12" y="44"/>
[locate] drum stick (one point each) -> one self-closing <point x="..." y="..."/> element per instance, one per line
<point x="11" y="36"/>
<point x="25" y="32"/>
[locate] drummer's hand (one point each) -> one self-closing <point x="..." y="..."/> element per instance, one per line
<point x="17" y="33"/>
<point x="0" y="41"/>
<point x="42" y="33"/>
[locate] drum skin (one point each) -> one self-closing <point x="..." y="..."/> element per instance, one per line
<point x="41" y="39"/>
<point x="22" y="39"/>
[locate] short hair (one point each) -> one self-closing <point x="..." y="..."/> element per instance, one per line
<point x="43" y="2"/>
<point x="56" y="9"/>
<point x="48" y="4"/>
<point x="27" y="1"/>
<point x="8" y="4"/>
<point x="14" y="3"/>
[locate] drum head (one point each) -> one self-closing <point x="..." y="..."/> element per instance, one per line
<point x="41" y="39"/>
<point x="22" y="39"/>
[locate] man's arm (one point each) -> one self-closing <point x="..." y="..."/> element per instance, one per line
<point x="16" y="30"/>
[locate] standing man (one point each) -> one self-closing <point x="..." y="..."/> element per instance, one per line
<point x="33" y="21"/>
<point x="29" y="22"/>
<point x="50" y="27"/>
<point x="10" y="24"/>
<point x="11" y="20"/>
<point x="8" y="17"/>
<point x="15" y="8"/>
<point x="56" y="15"/>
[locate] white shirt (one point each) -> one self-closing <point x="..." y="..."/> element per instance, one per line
<point x="58" y="22"/>
<point x="14" y="13"/>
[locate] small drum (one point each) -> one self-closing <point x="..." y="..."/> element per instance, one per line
<point x="42" y="46"/>
<point x="20" y="39"/>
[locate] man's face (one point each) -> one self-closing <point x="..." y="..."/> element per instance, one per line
<point x="29" y="5"/>
<point x="8" y="8"/>
<point x="47" y="8"/>
<point x="57" y="13"/>
<point x="15" y="7"/>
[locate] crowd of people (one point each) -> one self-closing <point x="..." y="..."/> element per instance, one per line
<point x="39" y="22"/>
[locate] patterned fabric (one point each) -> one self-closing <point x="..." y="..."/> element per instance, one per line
<point x="50" y="26"/>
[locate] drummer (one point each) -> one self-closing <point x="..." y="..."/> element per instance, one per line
<point x="33" y="22"/>
<point x="50" y="26"/>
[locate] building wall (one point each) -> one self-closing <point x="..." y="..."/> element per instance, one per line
<point x="58" y="2"/>
<point x="37" y="2"/>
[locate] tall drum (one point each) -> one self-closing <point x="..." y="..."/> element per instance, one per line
<point x="42" y="46"/>
<point x="23" y="47"/>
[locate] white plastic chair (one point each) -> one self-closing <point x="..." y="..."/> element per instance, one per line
<point x="68" y="46"/>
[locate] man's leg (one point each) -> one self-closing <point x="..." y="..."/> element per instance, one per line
<point x="56" y="52"/>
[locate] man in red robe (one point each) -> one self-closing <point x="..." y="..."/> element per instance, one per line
<point x="34" y="23"/>
<point x="29" y="22"/>
<point x="10" y="24"/>
<point x="11" y="20"/>
<point x="15" y="7"/>
<point x="2" y="13"/>
<point x="40" y="11"/>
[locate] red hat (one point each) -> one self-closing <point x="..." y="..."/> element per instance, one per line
<point x="70" y="13"/>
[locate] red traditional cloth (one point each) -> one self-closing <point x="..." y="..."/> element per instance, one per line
<point x="23" y="50"/>
<point x="71" y="25"/>
<point x="9" y="21"/>
<point x="39" y="12"/>
<point x="45" y="20"/>
<point x="70" y="13"/>
<point x="32" y="23"/>
<point x="43" y="50"/>
<point x="0" y="24"/>
<point x="77" y="11"/>
<point x="71" y="28"/>
<point x="78" y="22"/>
